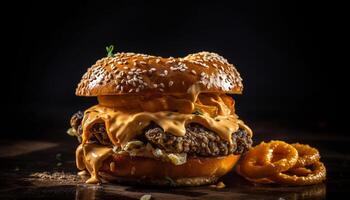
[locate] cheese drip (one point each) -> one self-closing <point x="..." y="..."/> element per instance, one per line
<point x="90" y="157"/>
<point x="126" y="117"/>
<point x="124" y="126"/>
<point x="214" y="111"/>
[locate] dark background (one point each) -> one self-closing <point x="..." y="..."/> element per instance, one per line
<point x="284" y="50"/>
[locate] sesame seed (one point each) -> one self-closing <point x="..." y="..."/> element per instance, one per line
<point x="193" y="72"/>
<point x="155" y="85"/>
<point x="171" y="83"/>
<point x="126" y="67"/>
<point x="158" y="60"/>
<point x="130" y="90"/>
<point x="166" y="72"/>
<point x="162" y="85"/>
<point x="137" y="90"/>
<point x="153" y="69"/>
<point x="161" y="89"/>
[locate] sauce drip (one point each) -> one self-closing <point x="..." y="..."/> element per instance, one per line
<point x="125" y="117"/>
<point x="90" y="157"/>
<point x="213" y="111"/>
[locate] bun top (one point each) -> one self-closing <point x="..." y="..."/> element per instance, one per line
<point x="130" y="73"/>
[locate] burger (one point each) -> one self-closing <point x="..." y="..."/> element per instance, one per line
<point x="160" y="121"/>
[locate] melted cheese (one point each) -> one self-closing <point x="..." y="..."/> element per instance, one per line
<point x="124" y="125"/>
<point x="90" y="157"/>
<point x="125" y="117"/>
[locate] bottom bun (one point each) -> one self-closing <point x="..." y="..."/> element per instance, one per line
<point x="140" y="170"/>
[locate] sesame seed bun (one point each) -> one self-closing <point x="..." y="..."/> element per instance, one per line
<point x="129" y="73"/>
<point x="148" y="171"/>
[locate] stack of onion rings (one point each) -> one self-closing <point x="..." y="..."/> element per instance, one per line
<point x="279" y="162"/>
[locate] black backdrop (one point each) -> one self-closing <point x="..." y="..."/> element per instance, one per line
<point x="280" y="48"/>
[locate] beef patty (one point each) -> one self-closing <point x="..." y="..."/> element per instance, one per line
<point x="197" y="140"/>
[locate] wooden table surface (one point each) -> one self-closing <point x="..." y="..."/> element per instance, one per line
<point x="45" y="169"/>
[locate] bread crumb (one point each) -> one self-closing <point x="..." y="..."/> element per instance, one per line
<point x="219" y="185"/>
<point x="58" y="177"/>
<point x="146" y="197"/>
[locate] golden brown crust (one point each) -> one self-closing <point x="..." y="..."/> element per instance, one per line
<point x="129" y="73"/>
<point x="206" y="170"/>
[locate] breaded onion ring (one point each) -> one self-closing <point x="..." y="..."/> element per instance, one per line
<point x="268" y="159"/>
<point x="260" y="180"/>
<point x="317" y="176"/>
<point x="307" y="155"/>
<point x="301" y="171"/>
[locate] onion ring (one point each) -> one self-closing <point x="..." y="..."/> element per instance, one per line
<point x="317" y="176"/>
<point x="301" y="171"/>
<point x="307" y="155"/>
<point x="260" y="180"/>
<point x="269" y="159"/>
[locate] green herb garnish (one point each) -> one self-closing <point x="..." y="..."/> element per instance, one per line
<point x="59" y="157"/>
<point x="197" y="112"/>
<point x="109" y="50"/>
<point x="171" y="181"/>
<point x="169" y="114"/>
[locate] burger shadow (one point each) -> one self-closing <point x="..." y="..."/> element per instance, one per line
<point x="17" y="182"/>
<point x="238" y="184"/>
<point x="236" y="187"/>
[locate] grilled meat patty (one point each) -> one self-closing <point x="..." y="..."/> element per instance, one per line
<point x="198" y="140"/>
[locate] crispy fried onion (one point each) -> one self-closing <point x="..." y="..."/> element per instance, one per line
<point x="254" y="180"/>
<point x="317" y="175"/>
<point x="279" y="162"/>
<point x="268" y="159"/>
<point x="307" y="155"/>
